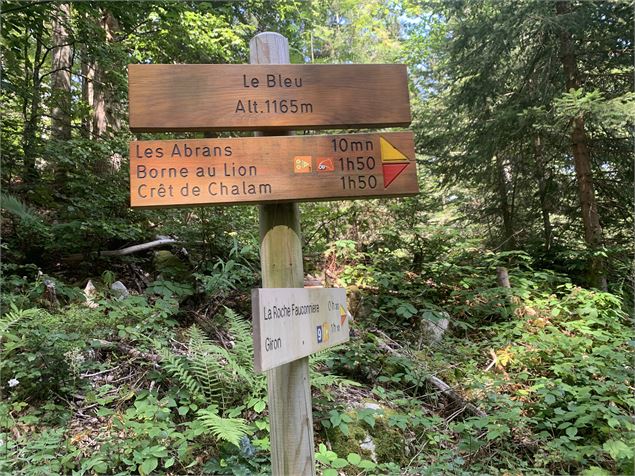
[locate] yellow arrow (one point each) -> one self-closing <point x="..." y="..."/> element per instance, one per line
<point x="389" y="152"/>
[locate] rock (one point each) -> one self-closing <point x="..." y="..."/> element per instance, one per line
<point x="434" y="330"/>
<point x="90" y="292"/>
<point x="379" y="442"/>
<point x="119" y="290"/>
<point x="369" y="445"/>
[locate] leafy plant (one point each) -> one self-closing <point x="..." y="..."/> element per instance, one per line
<point x="331" y="463"/>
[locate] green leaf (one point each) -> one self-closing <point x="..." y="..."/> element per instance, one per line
<point x="183" y="410"/>
<point x="618" y="449"/>
<point x="336" y="419"/>
<point x="571" y="431"/>
<point x="370" y="420"/>
<point x="228" y="429"/>
<point x="158" y="451"/>
<point x="330" y="472"/>
<point x="550" y="399"/>
<point x="148" y="466"/>
<point x="366" y="464"/>
<point x="100" y="467"/>
<point x="595" y="471"/>
<point x="168" y="462"/>
<point x="260" y="406"/>
<point x="339" y="463"/>
<point x="354" y="458"/>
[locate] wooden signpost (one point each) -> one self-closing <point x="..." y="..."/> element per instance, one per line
<point x="271" y="169"/>
<point x="202" y="97"/>
<point x="275" y="171"/>
<point x="293" y="323"/>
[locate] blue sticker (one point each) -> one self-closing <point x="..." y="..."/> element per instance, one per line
<point x="319" y="334"/>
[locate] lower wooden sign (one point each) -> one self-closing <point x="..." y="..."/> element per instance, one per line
<point x="291" y="323"/>
<point x="272" y="169"/>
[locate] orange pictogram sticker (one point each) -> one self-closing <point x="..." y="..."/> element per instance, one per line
<point x="325" y="164"/>
<point x="302" y="164"/>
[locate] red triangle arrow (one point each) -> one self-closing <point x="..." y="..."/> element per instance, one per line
<point x="392" y="171"/>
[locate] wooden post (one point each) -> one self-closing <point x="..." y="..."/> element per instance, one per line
<point x="289" y="389"/>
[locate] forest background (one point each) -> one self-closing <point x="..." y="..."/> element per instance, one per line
<point x="139" y="363"/>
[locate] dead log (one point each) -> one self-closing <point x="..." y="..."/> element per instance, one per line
<point x="126" y="349"/>
<point x="122" y="252"/>
<point x="389" y="345"/>
<point x="450" y="394"/>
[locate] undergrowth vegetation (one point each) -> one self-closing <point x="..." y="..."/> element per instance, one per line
<point x="492" y="329"/>
<point x="538" y="377"/>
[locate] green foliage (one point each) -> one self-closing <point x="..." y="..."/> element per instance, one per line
<point x="543" y="367"/>
<point x="230" y="275"/>
<point x="155" y="438"/>
<point x="211" y="372"/>
<point x="226" y="429"/>
<point x="46" y="351"/>
<point x="331" y="463"/>
<point x="222" y="377"/>
<point x="17" y="207"/>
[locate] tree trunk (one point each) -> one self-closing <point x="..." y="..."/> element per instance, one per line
<point x="105" y="108"/>
<point x="88" y="78"/>
<point x="31" y="109"/>
<point x="505" y="209"/>
<point x="61" y="73"/>
<point x="581" y="156"/>
<point x="61" y="64"/>
<point x="542" y="177"/>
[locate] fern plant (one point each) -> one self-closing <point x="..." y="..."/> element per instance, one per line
<point x="323" y="381"/>
<point x="17" y="207"/>
<point x="12" y="317"/>
<point x="220" y="376"/>
<point x="224" y="379"/>
<point x="223" y="428"/>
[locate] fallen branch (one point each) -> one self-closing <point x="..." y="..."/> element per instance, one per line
<point x="124" y="251"/>
<point x="126" y="349"/>
<point x="493" y="362"/>
<point x="436" y="382"/>
<point x="455" y="397"/>
<point x="142" y="247"/>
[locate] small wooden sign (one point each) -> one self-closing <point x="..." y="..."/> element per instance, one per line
<point x="201" y="97"/>
<point x="291" y="323"/>
<point x="271" y="169"/>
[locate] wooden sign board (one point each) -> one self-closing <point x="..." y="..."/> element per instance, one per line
<point x="291" y="323"/>
<point x="271" y="169"/>
<point x="202" y="97"/>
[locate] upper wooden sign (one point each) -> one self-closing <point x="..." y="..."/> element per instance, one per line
<point x="202" y="97"/>
<point x="271" y="169"/>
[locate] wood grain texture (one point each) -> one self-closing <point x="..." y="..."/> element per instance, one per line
<point x="288" y="386"/>
<point x="199" y="97"/>
<point x="291" y="323"/>
<point x="271" y="169"/>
